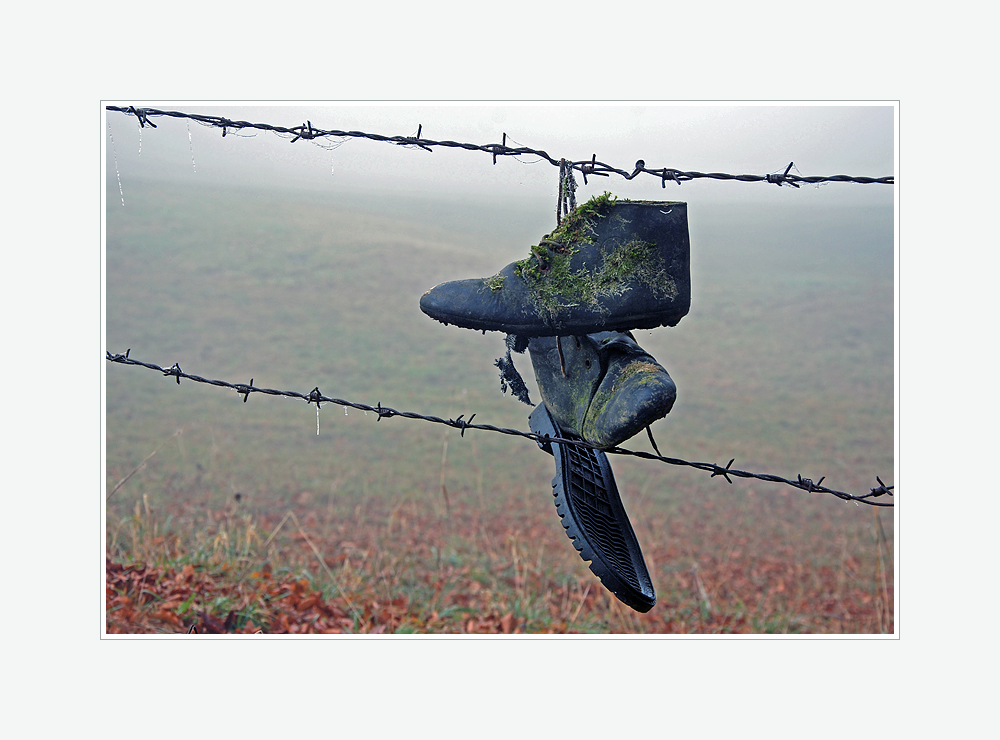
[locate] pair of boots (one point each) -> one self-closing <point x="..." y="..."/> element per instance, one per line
<point x="609" y="267"/>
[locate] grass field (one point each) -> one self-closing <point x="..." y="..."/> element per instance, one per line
<point x="245" y="519"/>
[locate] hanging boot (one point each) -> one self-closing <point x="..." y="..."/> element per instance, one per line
<point x="610" y="265"/>
<point x="602" y="387"/>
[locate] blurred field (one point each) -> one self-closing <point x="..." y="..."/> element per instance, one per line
<point x="247" y="519"/>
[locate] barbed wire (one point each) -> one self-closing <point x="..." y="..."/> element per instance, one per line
<point x="462" y="424"/>
<point x="591" y="167"/>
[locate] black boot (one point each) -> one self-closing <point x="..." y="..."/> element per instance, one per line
<point x="603" y="387"/>
<point x="610" y="265"/>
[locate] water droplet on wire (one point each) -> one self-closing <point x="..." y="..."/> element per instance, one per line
<point x="191" y="145"/>
<point x="115" y="154"/>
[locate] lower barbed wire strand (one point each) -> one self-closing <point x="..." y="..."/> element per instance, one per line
<point x="804" y="484"/>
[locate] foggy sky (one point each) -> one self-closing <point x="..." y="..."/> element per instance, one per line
<point x="821" y="139"/>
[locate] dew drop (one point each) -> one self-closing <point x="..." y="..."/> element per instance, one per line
<point x="191" y="146"/>
<point x="115" y="154"/>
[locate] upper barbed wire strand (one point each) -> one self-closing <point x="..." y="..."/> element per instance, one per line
<point x="589" y="167"/>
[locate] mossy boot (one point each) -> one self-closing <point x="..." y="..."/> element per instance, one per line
<point x="601" y="387"/>
<point x="610" y="265"/>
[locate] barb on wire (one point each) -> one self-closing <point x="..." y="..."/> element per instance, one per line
<point x="141" y="115"/>
<point x="591" y="167"/>
<point x="314" y="396"/>
<point x="781" y="179"/>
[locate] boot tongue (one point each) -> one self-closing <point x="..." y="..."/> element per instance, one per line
<point x="566" y="396"/>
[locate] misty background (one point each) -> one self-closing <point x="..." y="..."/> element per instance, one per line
<point x="805" y="248"/>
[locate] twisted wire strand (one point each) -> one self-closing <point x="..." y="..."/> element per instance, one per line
<point x="384" y="412"/>
<point x="591" y="167"/>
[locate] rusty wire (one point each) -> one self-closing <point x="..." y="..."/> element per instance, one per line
<point x="591" y="167"/>
<point x="384" y="412"/>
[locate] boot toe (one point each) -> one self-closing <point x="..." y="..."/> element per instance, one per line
<point x="627" y="402"/>
<point x="497" y="303"/>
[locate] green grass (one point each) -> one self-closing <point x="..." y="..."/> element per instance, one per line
<point x="785" y="363"/>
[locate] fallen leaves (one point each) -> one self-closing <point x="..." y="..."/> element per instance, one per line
<point x="452" y="576"/>
<point x="149" y="599"/>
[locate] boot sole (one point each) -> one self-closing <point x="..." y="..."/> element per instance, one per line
<point x="537" y="329"/>
<point x="591" y="510"/>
